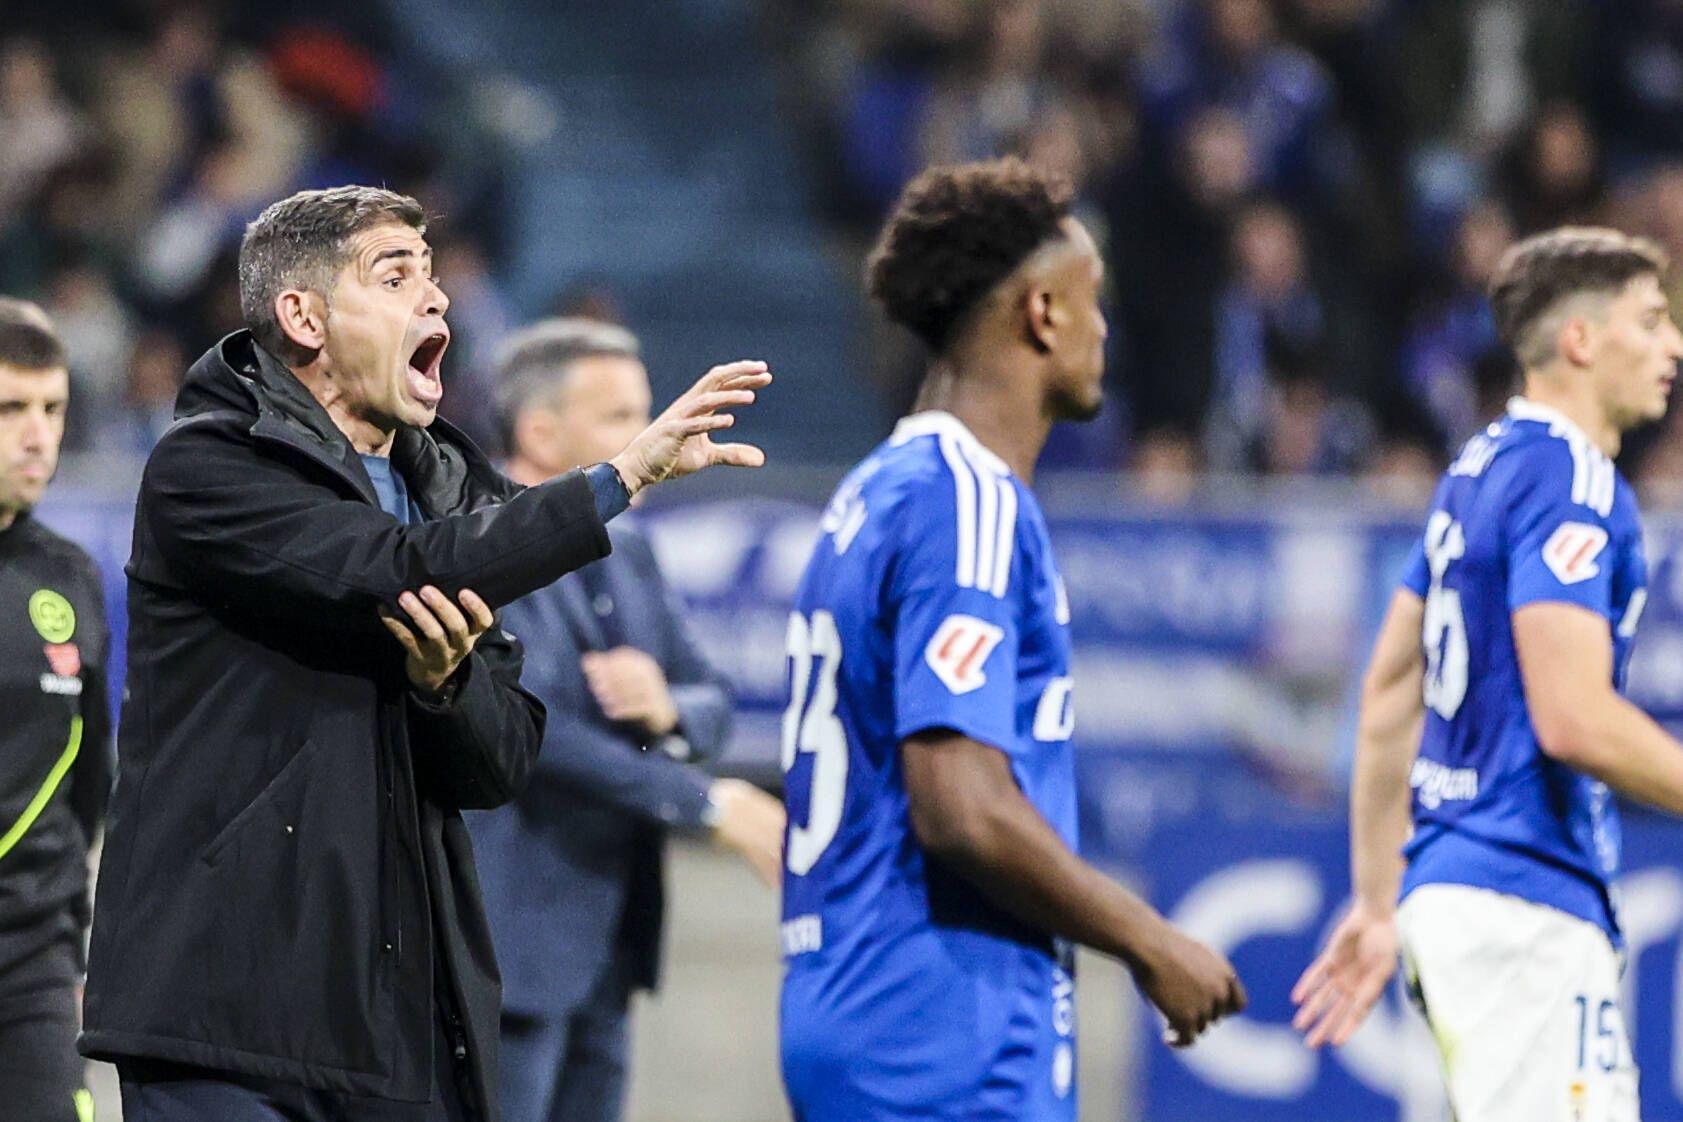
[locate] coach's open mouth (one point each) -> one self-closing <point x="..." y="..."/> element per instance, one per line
<point x="424" y="380"/>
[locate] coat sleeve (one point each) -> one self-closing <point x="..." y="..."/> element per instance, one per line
<point x="256" y="533"/>
<point x="584" y="752"/>
<point x="477" y="750"/>
<point x="580" y="754"/>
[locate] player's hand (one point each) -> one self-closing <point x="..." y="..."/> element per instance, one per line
<point x="1341" y="986"/>
<point x="1191" y="985"/>
<point x="439" y="636"/>
<point x="750" y="822"/>
<point x="677" y="442"/>
<point x="629" y="685"/>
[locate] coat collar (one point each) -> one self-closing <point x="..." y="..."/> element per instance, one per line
<point x="443" y="468"/>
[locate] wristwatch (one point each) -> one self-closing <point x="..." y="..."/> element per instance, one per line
<point x="714" y="812"/>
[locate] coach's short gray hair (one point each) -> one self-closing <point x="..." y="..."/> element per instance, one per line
<point x="533" y="363"/>
<point x="302" y="242"/>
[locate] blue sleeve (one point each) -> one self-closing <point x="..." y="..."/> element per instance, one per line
<point x="1556" y="544"/>
<point x="702" y="695"/>
<point x="954" y="611"/>
<point x="583" y="751"/>
<point x="608" y="489"/>
<point x="1416" y="574"/>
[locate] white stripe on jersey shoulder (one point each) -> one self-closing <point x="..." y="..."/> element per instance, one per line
<point x="985" y="498"/>
<point x="1594" y="478"/>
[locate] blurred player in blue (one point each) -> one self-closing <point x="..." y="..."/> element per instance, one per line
<point x="1492" y="706"/>
<point x="932" y="890"/>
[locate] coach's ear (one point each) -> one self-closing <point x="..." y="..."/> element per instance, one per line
<point x="302" y="316"/>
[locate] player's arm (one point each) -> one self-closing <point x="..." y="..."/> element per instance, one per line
<point x="1338" y="989"/>
<point x="969" y="814"/>
<point x="1566" y="662"/>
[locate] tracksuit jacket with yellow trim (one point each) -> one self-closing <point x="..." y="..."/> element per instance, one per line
<point x="55" y="757"/>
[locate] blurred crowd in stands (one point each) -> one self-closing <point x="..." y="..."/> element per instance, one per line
<point x="136" y="141"/>
<point x="1301" y="200"/>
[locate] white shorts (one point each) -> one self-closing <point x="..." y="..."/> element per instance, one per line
<point x="1523" y="1002"/>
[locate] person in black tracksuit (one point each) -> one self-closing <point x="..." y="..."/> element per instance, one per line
<point x="288" y="925"/>
<point x="55" y="763"/>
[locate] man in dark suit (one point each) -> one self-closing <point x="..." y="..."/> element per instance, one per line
<point x="572" y="869"/>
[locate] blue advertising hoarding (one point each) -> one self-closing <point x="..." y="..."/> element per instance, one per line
<point x="1216" y="667"/>
<point x="1266" y="891"/>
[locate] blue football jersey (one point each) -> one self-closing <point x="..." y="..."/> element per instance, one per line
<point x="931" y="602"/>
<point x="1530" y="511"/>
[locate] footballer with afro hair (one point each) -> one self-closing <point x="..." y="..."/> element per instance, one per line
<point x="930" y="856"/>
<point x="985" y="264"/>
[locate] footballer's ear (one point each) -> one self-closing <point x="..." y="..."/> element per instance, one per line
<point x="1576" y="339"/>
<point x="302" y="315"/>
<point x="1040" y="305"/>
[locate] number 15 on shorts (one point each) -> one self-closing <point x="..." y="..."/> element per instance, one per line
<point x="1598" y="1033"/>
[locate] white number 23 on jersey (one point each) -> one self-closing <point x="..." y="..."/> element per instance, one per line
<point x="810" y="725"/>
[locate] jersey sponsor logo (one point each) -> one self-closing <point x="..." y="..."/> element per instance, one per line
<point x="1571" y="551"/>
<point x="52" y="615"/>
<point x="987" y="521"/>
<point x="64" y="658"/>
<point x="959" y="650"/>
<point x="1435" y="784"/>
<point x="61" y="685"/>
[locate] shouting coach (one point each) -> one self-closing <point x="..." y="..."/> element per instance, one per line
<point x="288" y="924"/>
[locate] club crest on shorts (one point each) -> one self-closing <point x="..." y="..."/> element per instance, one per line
<point x="959" y="650"/>
<point x="1571" y="551"/>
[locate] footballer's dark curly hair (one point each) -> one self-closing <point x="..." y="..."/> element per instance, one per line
<point x="956" y="232"/>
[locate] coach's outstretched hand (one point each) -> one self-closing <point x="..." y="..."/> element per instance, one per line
<point x="1191" y="985"/>
<point x="677" y="443"/>
<point x="1340" y="987"/>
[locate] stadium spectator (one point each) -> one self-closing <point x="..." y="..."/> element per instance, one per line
<point x="55" y="756"/>
<point x="1171" y="248"/>
<point x="1229" y="54"/>
<point x="1638" y="67"/>
<point x="143" y="413"/>
<point x="1456" y="334"/>
<point x="1269" y="320"/>
<point x="482" y="317"/>
<point x="39" y="130"/>
<point x="291" y="915"/>
<point x="1552" y="174"/>
<point x="573" y="868"/>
